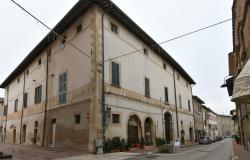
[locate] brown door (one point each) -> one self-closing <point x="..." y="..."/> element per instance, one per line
<point x="14" y="135"/>
<point x="35" y="136"/>
<point x="24" y="134"/>
<point x="53" y="133"/>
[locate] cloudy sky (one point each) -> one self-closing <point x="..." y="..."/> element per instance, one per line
<point x="203" y="55"/>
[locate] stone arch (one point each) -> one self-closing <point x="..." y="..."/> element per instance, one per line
<point x="148" y="131"/>
<point x="182" y="137"/>
<point x="168" y="127"/>
<point x="134" y="129"/>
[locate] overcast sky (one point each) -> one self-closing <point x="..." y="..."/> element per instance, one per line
<point x="203" y="55"/>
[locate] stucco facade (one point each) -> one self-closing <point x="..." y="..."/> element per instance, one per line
<point x="212" y="124"/>
<point x="225" y="125"/>
<point x="77" y="122"/>
<point x="237" y="60"/>
<point x="1" y="118"/>
<point x="198" y="118"/>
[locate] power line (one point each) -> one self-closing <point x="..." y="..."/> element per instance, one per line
<point x="172" y="39"/>
<point x="135" y="51"/>
<point x="64" y="39"/>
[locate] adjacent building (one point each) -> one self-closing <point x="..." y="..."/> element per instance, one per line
<point x="212" y="131"/>
<point x="74" y="89"/>
<point x="199" y="118"/>
<point x="239" y="68"/>
<point x="1" y="118"/>
<point x="225" y="125"/>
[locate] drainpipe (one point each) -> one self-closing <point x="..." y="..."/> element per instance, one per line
<point x="193" y="113"/>
<point x="6" y="117"/>
<point x="21" y="124"/>
<point x="242" y="129"/>
<point x="103" y="82"/>
<point x="46" y="97"/>
<point x="176" y="109"/>
<point x="163" y="127"/>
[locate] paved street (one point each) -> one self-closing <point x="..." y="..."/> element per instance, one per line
<point x="219" y="151"/>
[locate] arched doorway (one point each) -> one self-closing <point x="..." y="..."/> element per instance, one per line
<point x="134" y="130"/>
<point x="168" y="127"/>
<point x="148" y="131"/>
<point x="182" y="137"/>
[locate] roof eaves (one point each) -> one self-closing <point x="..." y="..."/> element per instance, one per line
<point x="78" y="9"/>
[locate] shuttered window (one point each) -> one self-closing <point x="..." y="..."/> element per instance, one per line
<point x="38" y="94"/>
<point x="166" y="94"/>
<point x="25" y="100"/>
<point x="147" y="87"/>
<point x="16" y="105"/>
<point x="63" y="88"/>
<point x="115" y="74"/>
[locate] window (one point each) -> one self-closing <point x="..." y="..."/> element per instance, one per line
<point x="115" y="118"/>
<point x="164" y="66"/>
<point x="18" y="80"/>
<point x="187" y="84"/>
<point x="24" y="134"/>
<point x="16" y="105"/>
<point x="145" y="51"/>
<point x="115" y="74"/>
<point x="77" y="119"/>
<point x="166" y="94"/>
<point x="39" y="62"/>
<point x="25" y="99"/>
<point x="38" y="94"/>
<point x="181" y="122"/>
<point x="27" y="71"/>
<point x="180" y="104"/>
<point x="114" y="28"/>
<point x="5" y="110"/>
<point x="49" y="54"/>
<point x="36" y="124"/>
<point x="147" y="89"/>
<point x="79" y="28"/>
<point x="63" y="41"/>
<point x="189" y="107"/>
<point x="63" y="88"/>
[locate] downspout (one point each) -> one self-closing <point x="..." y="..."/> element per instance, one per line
<point x="195" y="133"/>
<point x="21" y="124"/>
<point x="242" y="129"/>
<point x="6" y="117"/>
<point x="46" y="98"/>
<point x="163" y="127"/>
<point x="193" y="111"/>
<point x="176" y="109"/>
<point x="103" y="81"/>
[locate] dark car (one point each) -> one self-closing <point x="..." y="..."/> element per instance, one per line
<point x="203" y="141"/>
<point x="218" y="138"/>
<point x="209" y="140"/>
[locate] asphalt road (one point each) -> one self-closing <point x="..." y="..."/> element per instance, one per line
<point x="218" y="151"/>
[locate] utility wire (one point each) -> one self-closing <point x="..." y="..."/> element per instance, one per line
<point x="78" y="49"/>
<point x="126" y="54"/>
<point x="172" y="39"/>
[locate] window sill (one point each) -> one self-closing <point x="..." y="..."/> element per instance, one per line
<point x="165" y="102"/>
<point x="148" y="96"/>
<point x="117" y="86"/>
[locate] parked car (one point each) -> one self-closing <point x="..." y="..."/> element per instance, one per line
<point x="203" y="141"/>
<point x="209" y="140"/>
<point x="218" y="138"/>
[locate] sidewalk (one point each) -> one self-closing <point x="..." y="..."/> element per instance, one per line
<point x="240" y="152"/>
<point x="21" y="152"/>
